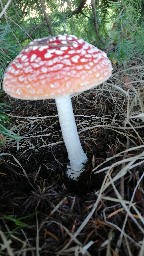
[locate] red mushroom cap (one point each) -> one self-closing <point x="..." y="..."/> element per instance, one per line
<point x="56" y="66"/>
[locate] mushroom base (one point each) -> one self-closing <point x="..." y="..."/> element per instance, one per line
<point x="73" y="174"/>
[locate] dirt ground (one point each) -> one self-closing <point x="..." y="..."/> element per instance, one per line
<point x="42" y="212"/>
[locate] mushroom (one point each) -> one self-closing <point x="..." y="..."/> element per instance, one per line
<point x="56" y="68"/>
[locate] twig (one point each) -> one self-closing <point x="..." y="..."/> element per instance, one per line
<point x="95" y="20"/>
<point x="37" y="238"/>
<point x="47" y="19"/>
<point x="141" y="252"/>
<point x="78" y="9"/>
<point x="6" y="244"/>
<point x="125" y="155"/>
<point x="5" y="8"/>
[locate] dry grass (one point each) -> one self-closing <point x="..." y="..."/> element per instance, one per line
<point x="43" y="213"/>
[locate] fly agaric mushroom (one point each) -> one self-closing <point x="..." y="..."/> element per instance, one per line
<point x="56" y="68"/>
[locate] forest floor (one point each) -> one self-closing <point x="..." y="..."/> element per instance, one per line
<point x="44" y="213"/>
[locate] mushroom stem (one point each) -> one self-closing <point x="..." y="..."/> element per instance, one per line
<point x="76" y="155"/>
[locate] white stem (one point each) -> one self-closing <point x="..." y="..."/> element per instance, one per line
<point x="71" y="139"/>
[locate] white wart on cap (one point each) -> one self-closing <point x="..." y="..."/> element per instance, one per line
<point x="56" y="66"/>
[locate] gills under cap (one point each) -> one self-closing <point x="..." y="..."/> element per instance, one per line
<point x="56" y="66"/>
